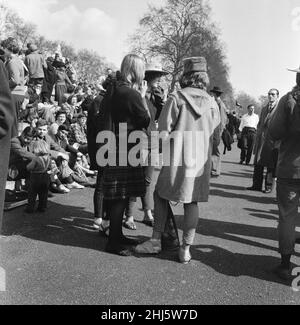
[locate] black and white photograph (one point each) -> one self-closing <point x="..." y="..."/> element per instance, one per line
<point x="149" y="155"/>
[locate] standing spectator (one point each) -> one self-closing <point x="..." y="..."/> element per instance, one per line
<point x="71" y="72"/>
<point x="233" y="124"/>
<point x="285" y="127"/>
<point x="248" y="128"/>
<point x="39" y="180"/>
<point x="6" y="121"/>
<point x="95" y="120"/>
<point x="62" y="83"/>
<point x="35" y="63"/>
<point x="265" y="149"/>
<point x="190" y="109"/>
<point x="153" y="75"/>
<point x="216" y="154"/>
<point x="126" y="105"/>
<point x="16" y="77"/>
<point x="49" y="81"/>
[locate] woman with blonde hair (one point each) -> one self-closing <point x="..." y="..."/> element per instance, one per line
<point x="125" y="102"/>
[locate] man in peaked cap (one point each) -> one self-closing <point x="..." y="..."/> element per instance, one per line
<point x="216" y="154"/>
<point x="285" y="127"/>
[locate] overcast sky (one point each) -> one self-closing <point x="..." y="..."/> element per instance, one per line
<point x="262" y="36"/>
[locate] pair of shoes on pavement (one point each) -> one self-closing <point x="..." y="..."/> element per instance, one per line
<point x="74" y="185"/>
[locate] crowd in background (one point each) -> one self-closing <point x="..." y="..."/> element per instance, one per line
<point x="57" y="118"/>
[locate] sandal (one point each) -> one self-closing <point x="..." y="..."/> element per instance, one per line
<point x="151" y="247"/>
<point x="104" y="230"/>
<point x="129" y="225"/>
<point x="184" y="256"/>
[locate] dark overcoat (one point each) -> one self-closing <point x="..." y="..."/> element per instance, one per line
<point x="264" y="145"/>
<point x="6" y="121"/>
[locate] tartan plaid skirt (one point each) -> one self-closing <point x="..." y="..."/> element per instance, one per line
<point x="123" y="182"/>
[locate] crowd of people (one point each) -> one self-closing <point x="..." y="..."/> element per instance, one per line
<point x="57" y="119"/>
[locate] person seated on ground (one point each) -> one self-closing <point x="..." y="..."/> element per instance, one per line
<point x="61" y="119"/>
<point x="78" y="136"/>
<point x="86" y="104"/>
<point x="74" y="107"/>
<point x="35" y="109"/>
<point x="66" y="174"/>
<point x="20" y="156"/>
<point x="42" y="134"/>
<point x="80" y="174"/>
<point x="56" y="185"/>
<point x="61" y="138"/>
<point x="46" y="112"/>
<point x="79" y="93"/>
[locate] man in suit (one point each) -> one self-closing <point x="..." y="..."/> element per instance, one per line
<point x="6" y="122"/>
<point x="265" y="149"/>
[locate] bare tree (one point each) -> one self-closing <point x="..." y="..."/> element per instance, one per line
<point x="179" y="29"/>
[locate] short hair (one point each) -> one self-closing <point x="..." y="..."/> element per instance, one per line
<point x="40" y="147"/>
<point x="41" y="123"/>
<point x="28" y="132"/>
<point x="133" y="70"/>
<point x="69" y="101"/>
<point x="63" y="128"/>
<point x="251" y="105"/>
<point x="81" y="115"/>
<point x="194" y="79"/>
<point x="277" y="91"/>
<point x="11" y="45"/>
<point x="60" y="112"/>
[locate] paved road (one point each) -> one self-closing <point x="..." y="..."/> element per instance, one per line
<point x="58" y="258"/>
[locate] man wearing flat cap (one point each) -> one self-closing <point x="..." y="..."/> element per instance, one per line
<point x="216" y="154"/>
<point x="190" y="112"/>
<point x="285" y="127"/>
<point x="35" y="64"/>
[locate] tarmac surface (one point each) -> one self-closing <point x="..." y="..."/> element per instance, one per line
<point x="57" y="258"/>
